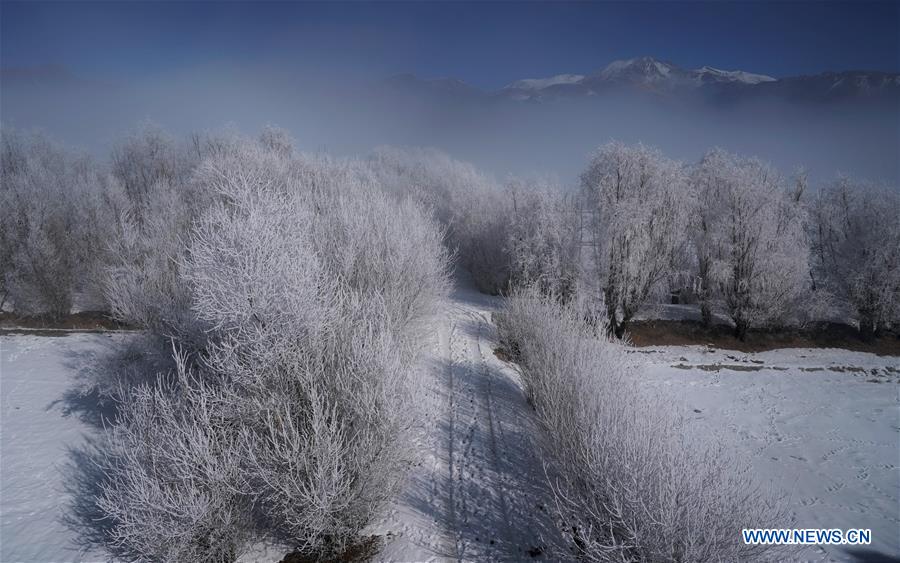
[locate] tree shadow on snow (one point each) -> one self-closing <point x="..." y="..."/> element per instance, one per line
<point x="102" y="376"/>
<point x="497" y="505"/>
<point x="866" y="555"/>
<point x="89" y="406"/>
<point x="83" y="478"/>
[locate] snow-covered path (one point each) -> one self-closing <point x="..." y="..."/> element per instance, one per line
<point x="479" y="493"/>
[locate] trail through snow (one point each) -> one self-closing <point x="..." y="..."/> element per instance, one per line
<point x="480" y="492"/>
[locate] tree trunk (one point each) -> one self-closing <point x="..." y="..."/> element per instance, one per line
<point x="868" y="328"/>
<point x="615" y="327"/>
<point x="706" y="313"/>
<point x="705" y="309"/>
<point x="620" y="330"/>
<point x="740" y="330"/>
<point x="612" y="311"/>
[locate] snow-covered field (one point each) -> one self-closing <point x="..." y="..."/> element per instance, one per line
<point x="38" y="424"/>
<point x="821" y="425"/>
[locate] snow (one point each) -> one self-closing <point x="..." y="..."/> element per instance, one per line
<point x="661" y="68"/>
<point x="541" y="83"/>
<point x="708" y="72"/>
<point x="479" y="492"/>
<point x="36" y="429"/>
<point x="617" y="66"/>
<point x="821" y="425"/>
<point x="646" y="71"/>
<point x="647" y="68"/>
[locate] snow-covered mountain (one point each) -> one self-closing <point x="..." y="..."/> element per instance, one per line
<point x="658" y="77"/>
<point x="645" y="73"/>
<point x="709" y="74"/>
<point x="645" y="70"/>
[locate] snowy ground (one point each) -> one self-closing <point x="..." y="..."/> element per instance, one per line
<point x="38" y="424"/>
<point x="821" y="425"/>
<point x="479" y="493"/>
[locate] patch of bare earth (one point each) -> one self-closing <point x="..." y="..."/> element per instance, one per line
<point x="825" y="335"/>
<point x="84" y="321"/>
<point x="363" y="550"/>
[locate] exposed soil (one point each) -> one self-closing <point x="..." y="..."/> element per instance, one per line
<point x="824" y="335"/>
<point x="86" y="321"/>
<point x="503" y="354"/>
<point x="363" y="550"/>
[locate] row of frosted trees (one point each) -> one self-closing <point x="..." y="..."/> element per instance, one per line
<point x="742" y="239"/>
<point x="729" y="233"/>
<point x="283" y="296"/>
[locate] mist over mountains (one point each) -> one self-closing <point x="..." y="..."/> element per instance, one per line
<point x="835" y="122"/>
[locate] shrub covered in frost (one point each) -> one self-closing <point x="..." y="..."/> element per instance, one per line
<point x="303" y="291"/>
<point x="544" y="240"/>
<point x="639" y="226"/>
<point x="752" y="252"/>
<point x="475" y="210"/>
<point x="630" y="483"/>
<point x="58" y="210"/>
<point x="855" y="234"/>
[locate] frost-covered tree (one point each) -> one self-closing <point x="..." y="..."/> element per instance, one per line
<point x="146" y="157"/>
<point x="170" y="485"/>
<point x="143" y="279"/>
<point x="543" y="239"/>
<point x="639" y="226"/>
<point x="855" y="234"/>
<point x="473" y="208"/>
<point x="277" y="140"/>
<point x="631" y="483"/>
<point x="58" y="211"/>
<point x="296" y="299"/>
<point x="143" y="276"/>
<point x="708" y="206"/>
<point x="13" y="161"/>
<point x="747" y="231"/>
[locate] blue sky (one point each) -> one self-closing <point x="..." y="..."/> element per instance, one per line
<point x="486" y="44"/>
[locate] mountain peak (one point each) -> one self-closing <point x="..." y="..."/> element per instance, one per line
<point x="644" y="69"/>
